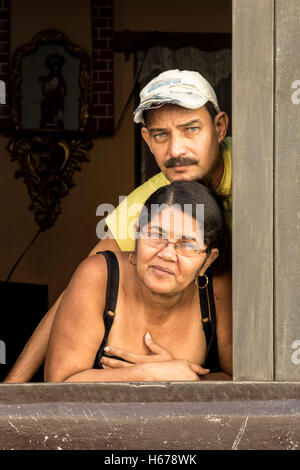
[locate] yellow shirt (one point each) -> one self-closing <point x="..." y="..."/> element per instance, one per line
<point x="122" y="220"/>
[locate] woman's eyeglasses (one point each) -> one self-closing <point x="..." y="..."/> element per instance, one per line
<point x="183" y="247"/>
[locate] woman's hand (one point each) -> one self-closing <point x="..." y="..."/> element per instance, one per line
<point x="158" y="365"/>
<point x="157" y="354"/>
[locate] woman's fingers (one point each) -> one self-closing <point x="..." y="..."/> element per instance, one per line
<point x="198" y="369"/>
<point x="156" y="348"/>
<point x="126" y="355"/>
<point x="109" y="363"/>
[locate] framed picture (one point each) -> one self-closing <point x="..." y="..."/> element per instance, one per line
<point x="50" y="86"/>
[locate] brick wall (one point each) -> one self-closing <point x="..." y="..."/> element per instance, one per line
<point x="4" y="58"/>
<point x="102" y="111"/>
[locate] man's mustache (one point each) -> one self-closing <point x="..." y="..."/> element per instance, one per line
<point x="180" y="161"/>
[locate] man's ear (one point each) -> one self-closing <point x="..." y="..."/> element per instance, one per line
<point x="146" y="136"/>
<point x="211" y="258"/>
<point x="221" y="122"/>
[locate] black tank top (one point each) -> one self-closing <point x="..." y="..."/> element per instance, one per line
<point x="208" y="314"/>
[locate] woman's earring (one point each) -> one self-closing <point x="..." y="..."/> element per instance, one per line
<point x="200" y="286"/>
<point x="130" y="259"/>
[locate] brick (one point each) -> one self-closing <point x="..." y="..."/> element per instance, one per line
<point x="4" y="36"/>
<point x="4" y="14"/>
<point x="104" y="54"/>
<point x="110" y="110"/>
<point x="106" y="12"/>
<point x="100" y="3"/>
<point x="4" y="68"/>
<point x="106" y="76"/>
<point x="100" y="65"/>
<point x="95" y="98"/>
<point x="96" y="33"/>
<point x="99" y="110"/>
<point x="98" y="87"/>
<point x="96" y="77"/>
<point x="106" y="98"/>
<point x="5" y="4"/>
<point x="100" y="44"/>
<point x="96" y="54"/>
<point x="100" y="22"/>
<point x="106" y="33"/>
<point x="3" y="58"/>
<point x="3" y="47"/>
<point x="4" y="26"/>
<point x="101" y="87"/>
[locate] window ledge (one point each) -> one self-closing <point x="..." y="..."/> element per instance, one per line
<point x="163" y="416"/>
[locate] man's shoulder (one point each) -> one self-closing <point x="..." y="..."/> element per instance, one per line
<point x="226" y="145"/>
<point x="142" y="192"/>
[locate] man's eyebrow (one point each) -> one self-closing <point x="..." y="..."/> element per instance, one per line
<point x="153" y="130"/>
<point x="190" y="123"/>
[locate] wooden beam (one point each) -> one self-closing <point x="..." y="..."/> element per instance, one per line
<point x="253" y="88"/>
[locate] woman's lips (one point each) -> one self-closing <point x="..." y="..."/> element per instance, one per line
<point x="162" y="270"/>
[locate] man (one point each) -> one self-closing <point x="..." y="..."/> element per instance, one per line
<point x="185" y="130"/>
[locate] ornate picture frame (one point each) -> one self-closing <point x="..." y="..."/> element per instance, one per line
<point x="50" y="84"/>
<point x="50" y="111"/>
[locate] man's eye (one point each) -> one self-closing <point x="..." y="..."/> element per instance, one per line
<point x="193" y="130"/>
<point x="160" y="136"/>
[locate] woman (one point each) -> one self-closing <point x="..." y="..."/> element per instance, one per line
<point x="153" y="326"/>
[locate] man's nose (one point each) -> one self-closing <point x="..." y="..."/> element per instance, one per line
<point x="176" y="146"/>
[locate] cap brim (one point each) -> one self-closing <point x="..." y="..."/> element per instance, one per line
<point x="186" y="100"/>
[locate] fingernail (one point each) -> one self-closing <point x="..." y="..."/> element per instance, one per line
<point x="107" y="348"/>
<point x="147" y="335"/>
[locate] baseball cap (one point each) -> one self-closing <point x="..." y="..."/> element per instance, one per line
<point x="182" y="87"/>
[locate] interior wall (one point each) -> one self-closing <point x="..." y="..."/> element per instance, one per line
<point x="174" y="16"/>
<point x="110" y="172"/>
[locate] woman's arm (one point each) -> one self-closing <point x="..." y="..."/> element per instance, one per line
<point x="78" y="327"/>
<point x="173" y="370"/>
<point x="34" y="352"/>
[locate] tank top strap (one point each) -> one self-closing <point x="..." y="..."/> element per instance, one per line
<point x="112" y="286"/>
<point x="208" y="314"/>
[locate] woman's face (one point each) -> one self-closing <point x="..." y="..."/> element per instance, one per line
<point x="170" y="269"/>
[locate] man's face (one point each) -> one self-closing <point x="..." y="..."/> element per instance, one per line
<point x="185" y="142"/>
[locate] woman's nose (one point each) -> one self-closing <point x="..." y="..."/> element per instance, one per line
<point x="168" y="252"/>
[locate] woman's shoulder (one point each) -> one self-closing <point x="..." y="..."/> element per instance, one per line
<point x="90" y="270"/>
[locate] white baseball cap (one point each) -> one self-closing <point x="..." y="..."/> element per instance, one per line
<point x="182" y="87"/>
